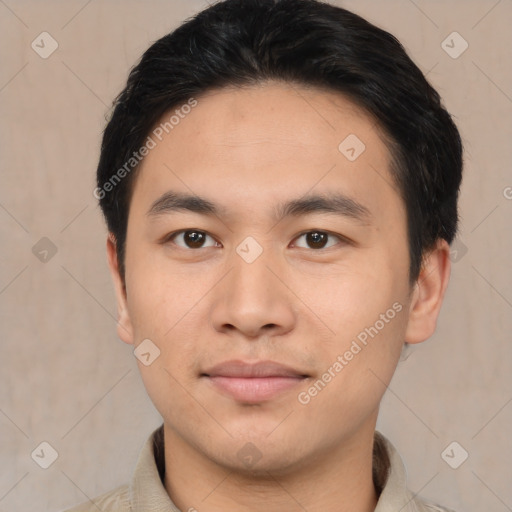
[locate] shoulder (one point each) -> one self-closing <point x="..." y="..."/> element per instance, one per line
<point x="390" y="474"/>
<point x="117" y="500"/>
<point x="425" y="506"/>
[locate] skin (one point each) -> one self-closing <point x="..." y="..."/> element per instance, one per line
<point x="247" y="150"/>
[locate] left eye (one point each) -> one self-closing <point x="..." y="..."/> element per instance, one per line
<point x="318" y="239"/>
<point x="192" y="239"/>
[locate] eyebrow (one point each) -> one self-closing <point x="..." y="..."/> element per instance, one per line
<point x="335" y="203"/>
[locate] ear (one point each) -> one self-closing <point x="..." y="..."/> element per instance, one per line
<point x="428" y="293"/>
<point x="124" y="324"/>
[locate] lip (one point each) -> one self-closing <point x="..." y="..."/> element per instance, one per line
<point x="253" y="382"/>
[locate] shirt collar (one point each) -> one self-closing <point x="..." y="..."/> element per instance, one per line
<point x="395" y="497"/>
<point x="147" y="491"/>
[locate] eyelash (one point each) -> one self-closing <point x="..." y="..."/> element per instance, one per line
<point x="170" y="238"/>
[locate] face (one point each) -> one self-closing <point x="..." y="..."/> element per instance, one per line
<point x="279" y="297"/>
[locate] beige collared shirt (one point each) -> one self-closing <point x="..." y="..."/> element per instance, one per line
<point x="146" y="492"/>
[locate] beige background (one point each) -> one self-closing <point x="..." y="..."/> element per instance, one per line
<point x="67" y="379"/>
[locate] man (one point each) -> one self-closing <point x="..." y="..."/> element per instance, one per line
<point x="280" y="187"/>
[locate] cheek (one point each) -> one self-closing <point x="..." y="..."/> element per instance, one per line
<point x="163" y="308"/>
<point x="350" y="298"/>
<point x="159" y="296"/>
<point x="366" y="311"/>
<point x="356" y="370"/>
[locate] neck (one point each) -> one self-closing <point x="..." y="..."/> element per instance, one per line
<point x="338" y="481"/>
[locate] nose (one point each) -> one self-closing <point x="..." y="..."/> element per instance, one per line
<point x="253" y="300"/>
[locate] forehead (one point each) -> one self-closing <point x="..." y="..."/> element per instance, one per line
<point x="253" y="145"/>
<point x="276" y="114"/>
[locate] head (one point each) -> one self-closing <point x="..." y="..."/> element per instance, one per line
<point x="322" y="175"/>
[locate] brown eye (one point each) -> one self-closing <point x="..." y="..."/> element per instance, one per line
<point x="194" y="239"/>
<point x="191" y="239"/>
<point x="318" y="239"/>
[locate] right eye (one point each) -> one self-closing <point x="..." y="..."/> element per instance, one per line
<point x="190" y="239"/>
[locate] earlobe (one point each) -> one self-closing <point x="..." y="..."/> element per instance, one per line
<point x="428" y="294"/>
<point x="124" y="325"/>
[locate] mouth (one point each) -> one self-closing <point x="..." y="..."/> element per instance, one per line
<point x="252" y="383"/>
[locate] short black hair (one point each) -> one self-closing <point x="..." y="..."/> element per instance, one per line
<point x="303" y="42"/>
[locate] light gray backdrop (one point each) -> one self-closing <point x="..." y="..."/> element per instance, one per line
<point x="65" y="377"/>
